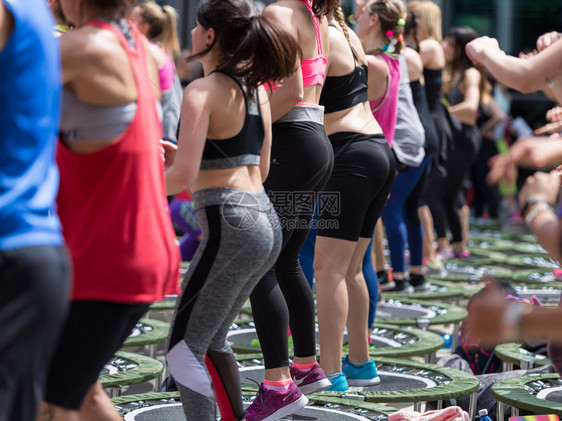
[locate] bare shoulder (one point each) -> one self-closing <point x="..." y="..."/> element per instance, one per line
<point x="471" y="76"/>
<point x="89" y="44"/>
<point x="430" y="46"/>
<point x="377" y="66"/>
<point x="415" y="64"/>
<point x="280" y="13"/>
<point x="6" y="25"/>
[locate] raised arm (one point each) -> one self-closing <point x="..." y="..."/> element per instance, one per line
<point x="525" y="75"/>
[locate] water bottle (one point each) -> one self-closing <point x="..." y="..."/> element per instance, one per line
<point x="484" y="415"/>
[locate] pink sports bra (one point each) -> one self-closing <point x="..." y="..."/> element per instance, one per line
<point x="313" y="69"/>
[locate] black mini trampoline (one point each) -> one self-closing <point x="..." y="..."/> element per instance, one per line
<point x="148" y="332"/>
<point x="127" y="368"/>
<point x="514" y="354"/>
<point x="438" y="290"/>
<point x="388" y="340"/>
<point x="402" y="381"/>
<point x="167" y="407"/>
<point x="537" y="393"/>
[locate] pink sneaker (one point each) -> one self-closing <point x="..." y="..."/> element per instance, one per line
<point x="271" y="405"/>
<point x="462" y="254"/>
<point x="445" y="254"/>
<point x="311" y="381"/>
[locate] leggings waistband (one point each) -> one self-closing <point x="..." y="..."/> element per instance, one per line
<point x="313" y="113"/>
<point x="342" y="138"/>
<point x="230" y="196"/>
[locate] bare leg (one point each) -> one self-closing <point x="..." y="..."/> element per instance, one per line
<point x="428" y="238"/>
<point x="379" y="259"/>
<point x="357" y="330"/>
<point x="331" y="262"/>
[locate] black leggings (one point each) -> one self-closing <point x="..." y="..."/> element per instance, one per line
<point x="444" y="189"/>
<point x="364" y="171"/>
<point x="301" y="162"/>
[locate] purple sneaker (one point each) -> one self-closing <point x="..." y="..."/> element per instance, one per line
<point x="271" y="405"/>
<point x="311" y="381"/>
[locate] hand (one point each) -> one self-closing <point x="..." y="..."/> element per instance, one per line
<point x="485" y="314"/>
<point x="546" y="40"/>
<point x="476" y="49"/>
<point x="541" y="186"/>
<point x="501" y="167"/>
<point x="554" y="114"/>
<point x="168" y="152"/>
<point x="550" y="128"/>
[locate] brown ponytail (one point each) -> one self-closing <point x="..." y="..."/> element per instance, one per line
<point x="162" y="25"/>
<point x="252" y="48"/>
<point x="338" y="15"/>
<point x="392" y="16"/>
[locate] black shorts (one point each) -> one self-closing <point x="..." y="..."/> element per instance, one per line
<point x="93" y="332"/>
<point x="363" y="174"/>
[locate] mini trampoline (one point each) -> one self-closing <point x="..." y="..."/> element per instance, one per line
<point x="514" y="354"/>
<point x="167" y="304"/>
<point x="532" y="261"/>
<point x="537" y="276"/>
<point x="167" y="406"/>
<point x="461" y="270"/>
<point x="545" y="293"/>
<point x="127" y="368"/>
<point x="491" y="244"/>
<point x="537" y="393"/>
<point x="388" y="340"/>
<point x="410" y="312"/>
<point x="529" y="248"/>
<point x="482" y="257"/>
<point x="401" y="381"/>
<point x="438" y="290"/>
<point x="148" y="332"/>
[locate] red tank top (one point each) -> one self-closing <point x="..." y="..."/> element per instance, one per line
<point x="113" y="209"/>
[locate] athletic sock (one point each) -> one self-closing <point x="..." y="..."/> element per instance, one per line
<point x="304" y="367"/>
<point x="280" y="386"/>
<point x="333" y="377"/>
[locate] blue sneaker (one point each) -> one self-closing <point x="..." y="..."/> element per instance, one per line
<point x="360" y="375"/>
<point x="339" y="384"/>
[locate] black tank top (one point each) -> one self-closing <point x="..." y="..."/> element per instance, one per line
<point x="420" y="101"/>
<point x="242" y="149"/>
<point x="343" y="92"/>
<point x="433" y="83"/>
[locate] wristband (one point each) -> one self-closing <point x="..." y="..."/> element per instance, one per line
<point x="533" y="213"/>
<point x="529" y="202"/>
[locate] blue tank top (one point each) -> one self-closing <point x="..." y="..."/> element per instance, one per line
<point x="30" y="98"/>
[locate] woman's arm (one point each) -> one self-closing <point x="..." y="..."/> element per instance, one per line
<point x="194" y="123"/>
<point x="415" y="64"/>
<point x="525" y="75"/>
<point x="265" y="156"/>
<point x="466" y="111"/>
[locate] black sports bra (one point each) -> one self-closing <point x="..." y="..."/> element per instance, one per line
<point x="343" y="92"/>
<point x="243" y="148"/>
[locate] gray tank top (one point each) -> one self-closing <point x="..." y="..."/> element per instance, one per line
<point x="409" y="136"/>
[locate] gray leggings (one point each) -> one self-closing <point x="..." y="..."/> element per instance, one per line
<point x="241" y="241"/>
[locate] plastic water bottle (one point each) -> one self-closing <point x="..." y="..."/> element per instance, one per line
<point x="484" y="415"/>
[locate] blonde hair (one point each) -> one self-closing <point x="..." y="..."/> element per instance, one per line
<point x="390" y="13"/>
<point x="162" y="24"/>
<point x="429" y="18"/>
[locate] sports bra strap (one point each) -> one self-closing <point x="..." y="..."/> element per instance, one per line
<point x="308" y="4"/>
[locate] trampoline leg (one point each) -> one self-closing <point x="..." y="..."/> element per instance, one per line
<point x="472" y="405"/>
<point x="455" y="339"/>
<point x="418" y="407"/>
<point x="499" y="411"/>
<point x="514" y="411"/>
<point x="507" y="367"/>
<point x="439" y="404"/>
<point x="431" y="358"/>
